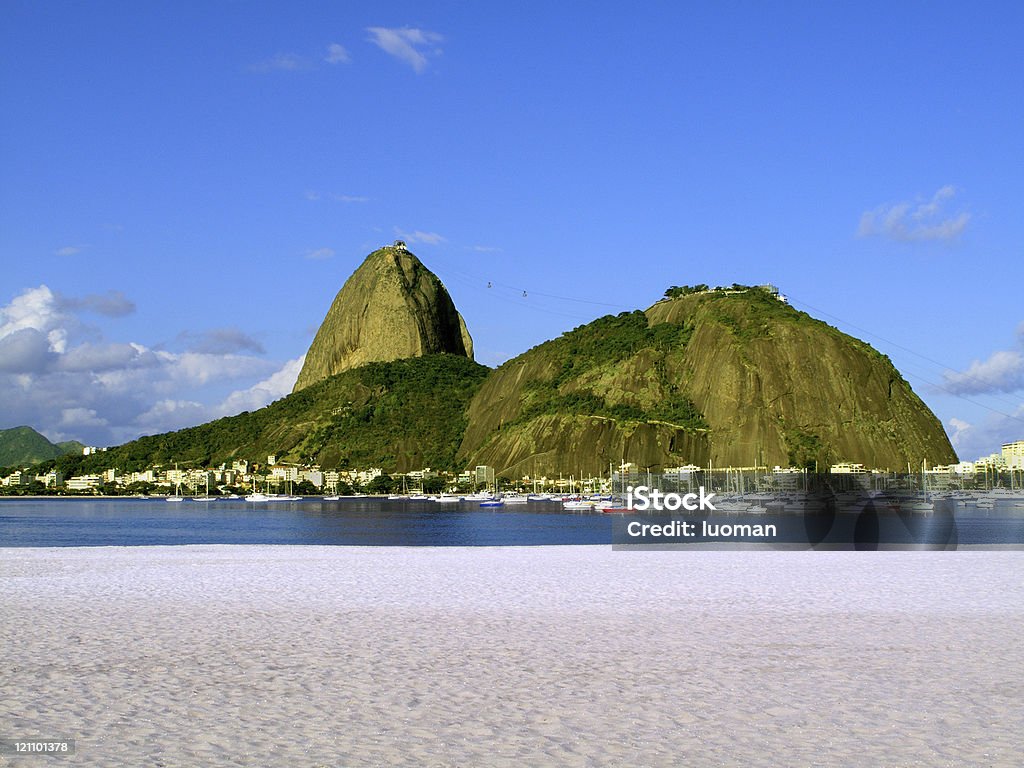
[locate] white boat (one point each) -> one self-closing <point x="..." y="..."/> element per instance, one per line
<point x="332" y="498"/>
<point x="578" y="505"/>
<point x="257" y="497"/>
<point x="207" y="497"/>
<point x="446" y="498"/>
<point x="514" y="498"/>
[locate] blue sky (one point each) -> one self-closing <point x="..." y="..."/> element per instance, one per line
<point x="185" y="186"/>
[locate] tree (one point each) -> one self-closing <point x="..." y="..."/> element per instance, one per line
<point x="381" y="485"/>
<point x="433" y="484"/>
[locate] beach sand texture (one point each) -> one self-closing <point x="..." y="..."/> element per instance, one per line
<point x="560" y="656"/>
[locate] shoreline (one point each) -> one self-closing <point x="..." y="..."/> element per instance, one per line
<point x="562" y="655"/>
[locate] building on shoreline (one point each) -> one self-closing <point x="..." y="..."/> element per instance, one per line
<point x="1005" y="467"/>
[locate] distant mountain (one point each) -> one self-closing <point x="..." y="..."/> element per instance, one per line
<point x="23" y="446"/>
<point x="392" y="307"/>
<point x="731" y="378"/>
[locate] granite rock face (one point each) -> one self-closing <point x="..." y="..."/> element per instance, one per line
<point x="737" y="380"/>
<point x="391" y="308"/>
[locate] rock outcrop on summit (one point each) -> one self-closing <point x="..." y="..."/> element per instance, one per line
<point x="391" y="308"/>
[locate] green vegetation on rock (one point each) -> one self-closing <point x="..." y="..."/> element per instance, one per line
<point x="588" y="351"/>
<point x="731" y="377"/>
<point x="399" y="416"/>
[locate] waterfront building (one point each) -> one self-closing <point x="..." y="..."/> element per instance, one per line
<point x="1013" y="454"/>
<point x="484" y="475"/>
<point x="313" y="476"/>
<point x="51" y="479"/>
<point x="992" y="462"/>
<point x="17" y="478"/>
<point x="83" y="483"/>
<point x="848" y="468"/>
<point x="366" y="476"/>
<point x="285" y="474"/>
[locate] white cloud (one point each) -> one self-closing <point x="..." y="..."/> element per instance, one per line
<point x="64" y="379"/>
<point x="25" y="350"/>
<point x="39" y="309"/>
<point x="336" y="54"/>
<point x="320" y="254"/>
<point x="409" y="44"/>
<point x="1003" y="371"/>
<point x="417" y="236"/>
<point x="68" y="250"/>
<point x="99" y="358"/>
<point x="916" y="221"/>
<point x="110" y="304"/>
<point x="972" y="441"/>
<point x="272" y="388"/>
<point x="198" y="368"/>
<point x="170" y="415"/>
<point x="80" y="417"/>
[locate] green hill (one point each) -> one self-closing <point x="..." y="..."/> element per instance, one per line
<point x="23" y="447"/>
<point x="399" y="416"/>
<point x="731" y="378"/>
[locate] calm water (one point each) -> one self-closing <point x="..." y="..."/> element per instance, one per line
<point x="61" y="522"/>
<point x="372" y="522"/>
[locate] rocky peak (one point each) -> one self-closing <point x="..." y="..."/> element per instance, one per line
<point x="392" y="307"/>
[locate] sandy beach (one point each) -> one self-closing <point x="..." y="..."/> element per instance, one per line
<point x="575" y="656"/>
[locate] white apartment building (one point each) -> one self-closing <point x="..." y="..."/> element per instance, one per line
<point x="83" y="483"/>
<point x="313" y="476"/>
<point x="17" y="478"/>
<point x="51" y="479"/>
<point x="285" y="474"/>
<point x="1013" y="454"/>
<point x="848" y="468"/>
<point x="366" y="475"/>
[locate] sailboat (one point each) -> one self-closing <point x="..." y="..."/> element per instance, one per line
<point x="177" y="488"/>
<point x="286" y="496"/>
<point x="207" y="497"/>
<point x="256" y="495"/>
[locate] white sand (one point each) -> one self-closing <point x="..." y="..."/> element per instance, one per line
<point x="578" y="656"/>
